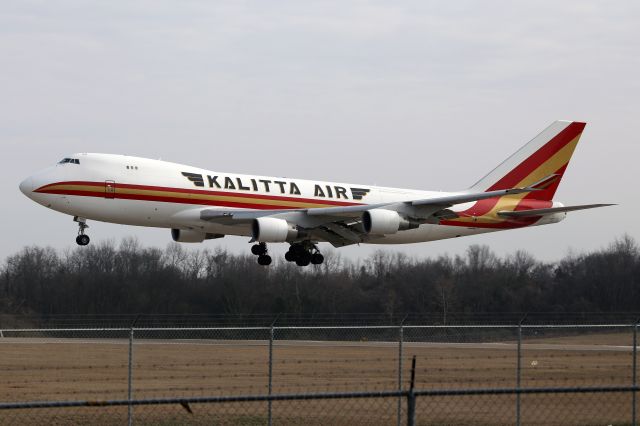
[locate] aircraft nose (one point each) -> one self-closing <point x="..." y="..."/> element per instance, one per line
<point x="26" y="186"/>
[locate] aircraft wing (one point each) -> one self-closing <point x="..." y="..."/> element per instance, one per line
<point x="438" y="203"/>
<point x="342" y="225"/>
<point x="552" y="210"/>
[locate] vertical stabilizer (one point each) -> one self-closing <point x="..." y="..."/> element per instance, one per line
<point x="542" y="161"/>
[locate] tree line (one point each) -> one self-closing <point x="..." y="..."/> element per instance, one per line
<point x="124" y="278"/>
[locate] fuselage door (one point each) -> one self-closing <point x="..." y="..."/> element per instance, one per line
<point x="109" y="189"/>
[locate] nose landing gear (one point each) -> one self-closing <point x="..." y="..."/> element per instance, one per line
<point x="82" y="239"/>
<point x="304" y="253"/>
<point x="260" y="250"/>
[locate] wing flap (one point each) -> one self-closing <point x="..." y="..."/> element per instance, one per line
<point x="344" y="231"/>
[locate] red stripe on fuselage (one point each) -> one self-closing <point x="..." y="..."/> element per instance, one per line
<point x="169" y="199"/>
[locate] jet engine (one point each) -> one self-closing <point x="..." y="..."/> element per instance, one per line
<point x="381" y="221"/>
<point x="272" y="230"/>
<point x="191" y="236"/>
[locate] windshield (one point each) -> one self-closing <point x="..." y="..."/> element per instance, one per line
<point x="69" y="160"/>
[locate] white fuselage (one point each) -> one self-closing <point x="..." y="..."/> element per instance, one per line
<point x="162" y="194"/>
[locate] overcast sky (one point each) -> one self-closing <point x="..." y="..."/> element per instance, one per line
<point x="426" y="95"/>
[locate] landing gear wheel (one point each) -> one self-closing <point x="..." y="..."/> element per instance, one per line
<point x="259" y="249"/>
<point x="296" y="251"/>
<point x="303" y="262"/>
<point x="304" y="259"/>
<point x="82" y="240"/>
<point x="317" y="258"/>
<point x="304" y="253"/>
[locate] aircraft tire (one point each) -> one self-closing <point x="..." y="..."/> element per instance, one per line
<point x="317" y="259"/>
<point x="304" y="259"/>
<point x="82" y="240"/>
<point x="264" y="260"/>
<point x="302" y="262"/>
<point x="258" y="249"/>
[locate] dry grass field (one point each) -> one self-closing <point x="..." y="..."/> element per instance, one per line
<point x="96" y="369"/>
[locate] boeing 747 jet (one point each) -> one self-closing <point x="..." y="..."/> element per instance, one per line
<point x="198" y="204"/>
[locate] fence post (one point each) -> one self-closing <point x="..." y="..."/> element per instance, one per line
<point x="519" y="370"/>
<point x="271" y="336"/>
<point x="411" y="396"/>
<point x="130" y="374"/>
<point x="635" y="374"/>
<point x="400" y="353"/>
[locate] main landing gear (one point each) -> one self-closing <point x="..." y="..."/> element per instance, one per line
<point x="260" y="250"/>
<point x="304" y="253"/>
<point x="82" y="239"/>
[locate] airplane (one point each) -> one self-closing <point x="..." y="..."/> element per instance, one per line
<point x="198" y="204"/>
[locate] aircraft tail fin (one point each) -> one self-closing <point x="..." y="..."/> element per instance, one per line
<point x="540" y="163"/>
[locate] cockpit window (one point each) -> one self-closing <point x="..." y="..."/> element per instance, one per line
<point x="69" y="160"/>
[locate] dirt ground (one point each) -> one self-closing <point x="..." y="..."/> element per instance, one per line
<point x="34" y="369"/>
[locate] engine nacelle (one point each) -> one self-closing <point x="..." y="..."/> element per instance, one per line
<point x="191" y="236"/>
<point x="272" y="230"/>
<point x="381" y="221"/>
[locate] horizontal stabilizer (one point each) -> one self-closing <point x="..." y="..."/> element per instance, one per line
<point x="542" y="212"/>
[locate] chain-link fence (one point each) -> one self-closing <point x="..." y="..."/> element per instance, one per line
<point x="541" y="406"/>
<point x="320" y="374"/>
